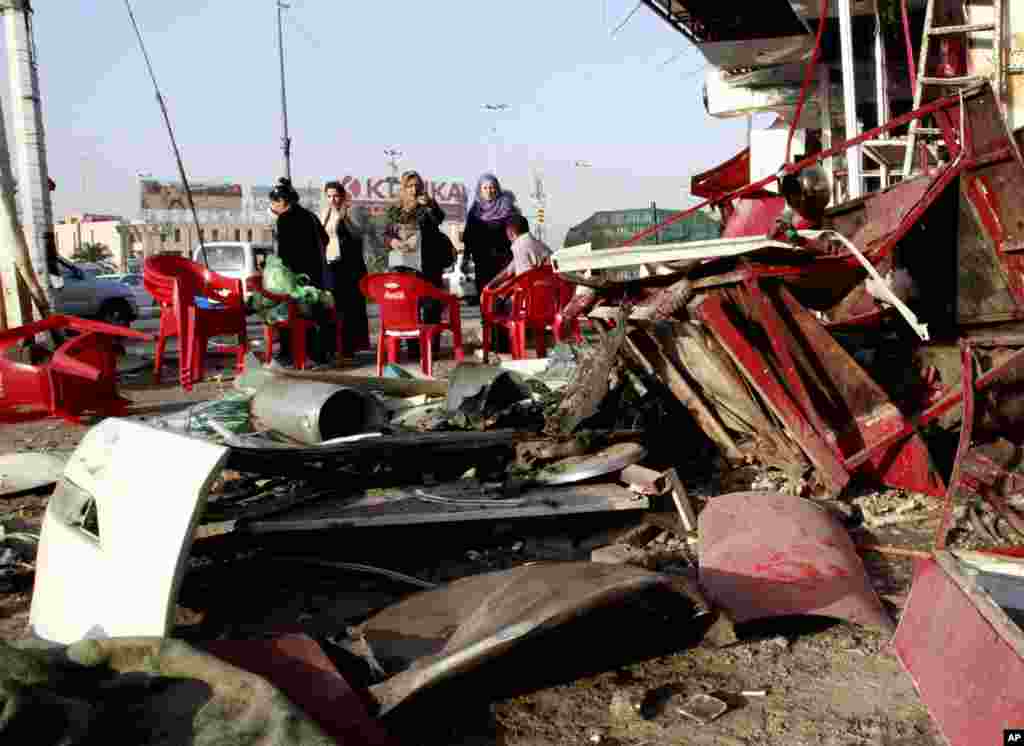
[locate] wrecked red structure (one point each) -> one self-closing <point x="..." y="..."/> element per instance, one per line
<point x="878" y="338"/>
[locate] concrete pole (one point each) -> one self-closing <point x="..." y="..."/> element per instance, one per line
<point x="855" y="184"/>
<point x="33" y="175"/>
<point x="17" y="303"/>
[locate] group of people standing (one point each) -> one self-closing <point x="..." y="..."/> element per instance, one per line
<point x="329" y="249"/>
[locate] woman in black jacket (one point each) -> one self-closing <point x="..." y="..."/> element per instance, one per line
<point x="301" y="239"/>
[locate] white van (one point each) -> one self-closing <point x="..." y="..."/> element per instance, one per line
<point x="238" y="259"/>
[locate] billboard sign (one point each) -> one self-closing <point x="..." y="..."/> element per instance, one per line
<point x="159" y="195"/>
<point x="382" y="191"/>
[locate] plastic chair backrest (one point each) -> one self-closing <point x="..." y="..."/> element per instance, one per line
<point x="160" y="273"/>
<point x="543" y="298"/>
<point x="397" y="294"/>
<point x="538" y="294"/>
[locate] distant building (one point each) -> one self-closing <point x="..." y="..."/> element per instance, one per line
<point x="612" y="227"/>
<point x="233" y="212"/>
<point x="90" y="228"/>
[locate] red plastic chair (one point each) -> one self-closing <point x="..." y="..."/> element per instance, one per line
<point x="296" y="323"/>
<point x="80" y="377"/>
<point x="175" y="282"/>
<point x="537" y="298"/>
<point x="398" y="295"/>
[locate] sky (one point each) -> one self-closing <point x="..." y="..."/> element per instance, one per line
<point x="365" y="77"/>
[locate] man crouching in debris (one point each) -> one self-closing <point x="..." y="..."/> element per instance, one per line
<point x="527" y="252"/>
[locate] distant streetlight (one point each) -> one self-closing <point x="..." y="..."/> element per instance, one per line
<point x="394" y="156"/>
<point x="492" y="149"/>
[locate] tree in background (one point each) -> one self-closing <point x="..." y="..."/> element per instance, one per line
<point x="97" y="253"/>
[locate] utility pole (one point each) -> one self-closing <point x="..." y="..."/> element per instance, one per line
<point x="286" y="141"/>
<point x="393" y="155"/>
<point x="36" y="245"/>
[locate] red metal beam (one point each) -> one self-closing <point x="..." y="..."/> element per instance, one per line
<point x="934" y="106"/>
<point x="833" y="475"/>
<point x="774" y="326"/>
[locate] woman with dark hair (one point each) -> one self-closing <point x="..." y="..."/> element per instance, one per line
<point x="300" y="246"/>
<point x="346" y="266"/>
<point x="484" y="234"/>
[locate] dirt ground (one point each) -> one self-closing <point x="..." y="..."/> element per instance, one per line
<point x="617" y="676"/>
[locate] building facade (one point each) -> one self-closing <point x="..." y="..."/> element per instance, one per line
<point x="79" y="230"/>
<point x="612" y="227"/>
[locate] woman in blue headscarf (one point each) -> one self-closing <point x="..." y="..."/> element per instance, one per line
<point x="484" y="235"/>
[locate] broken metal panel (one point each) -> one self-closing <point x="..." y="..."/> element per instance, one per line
<point x="726" y="177"/>
<point x="868" y="221"/>
<point x="122" y="580"/>
<point x="964" y="653"/>
<point x="752" y="215"/>
<point x="438" y="634"/>
<point x="764" y="554"/>
<point x="984" y="294"/>
<point x="994" y="179"/>
<point x="406" y="507"/>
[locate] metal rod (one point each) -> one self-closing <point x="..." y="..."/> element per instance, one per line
<point x="881" y="77"/>
<point x="855" y="185"/>
<point x="170" y="132"/>
<point x="286" y="141"/>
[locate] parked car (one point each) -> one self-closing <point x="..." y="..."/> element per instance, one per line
<point x="461" y="284"/>
<point x="86" y="296"/>
<point x="146" y="303"/>
<point x="95" y="269"/>
<point x="239" y="259"/>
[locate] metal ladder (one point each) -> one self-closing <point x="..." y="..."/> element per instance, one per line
<point x="923" y="81"/>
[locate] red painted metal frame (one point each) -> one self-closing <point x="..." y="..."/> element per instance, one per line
<point x="773" y="325"/>
<point x="935" y="106"/>
<point x="834" y="475"/>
